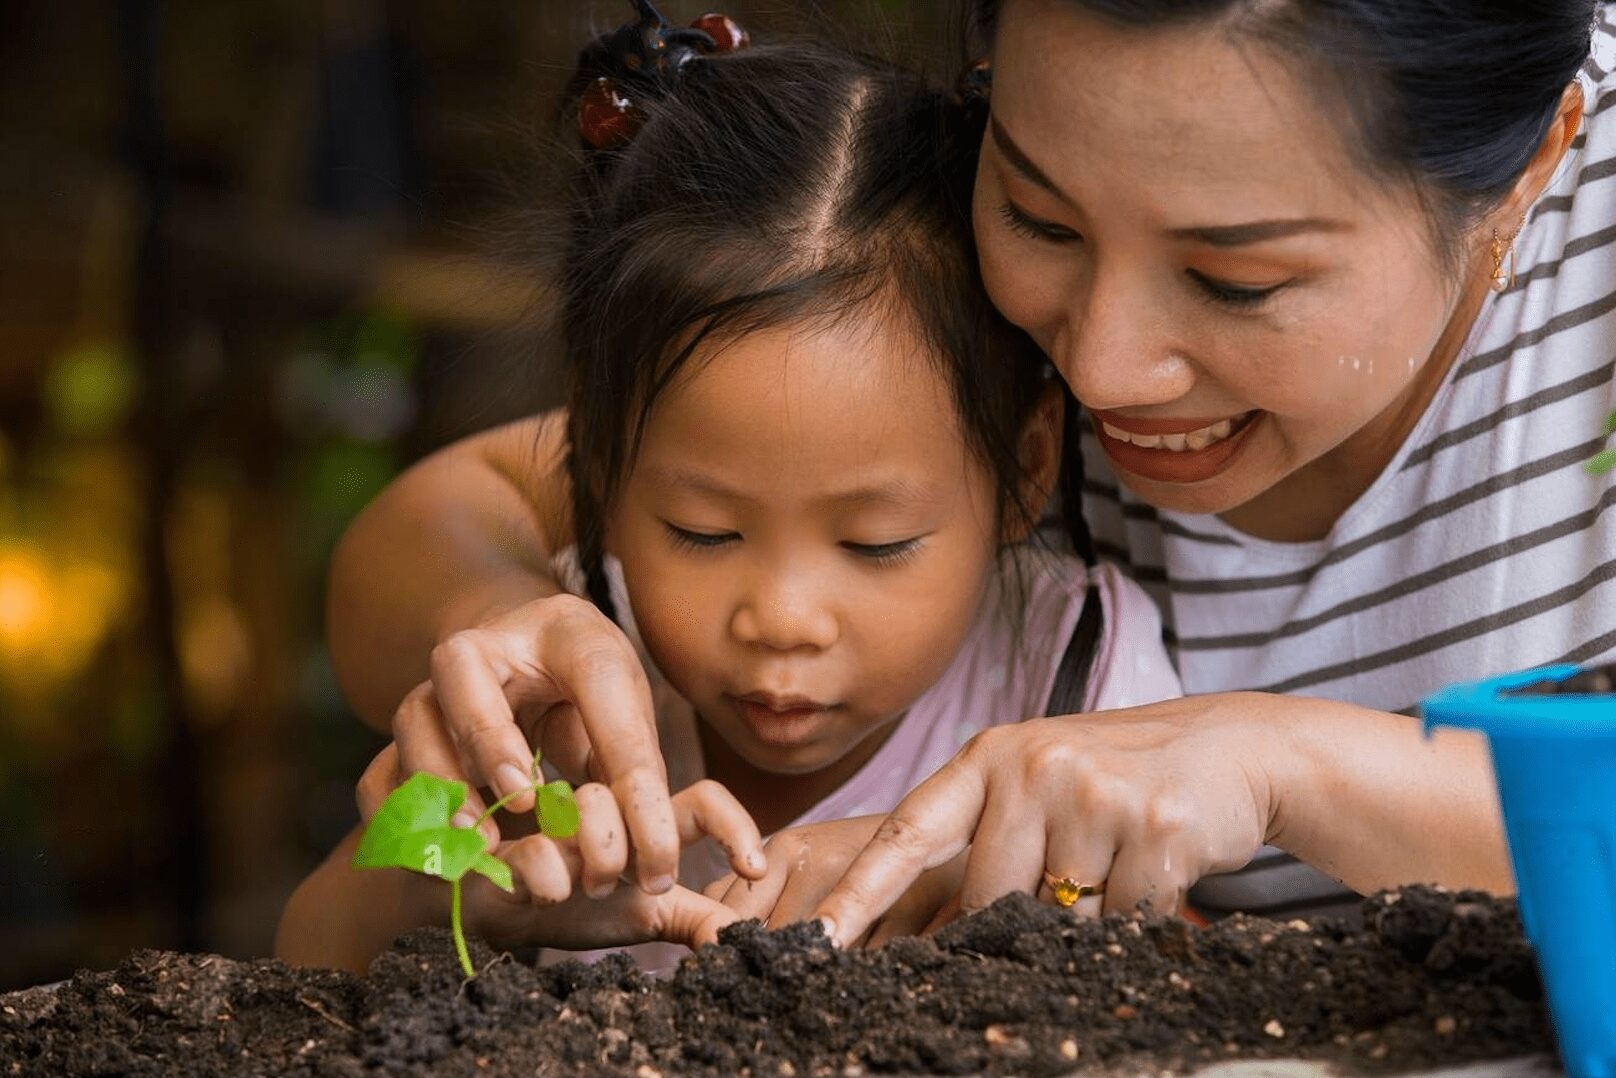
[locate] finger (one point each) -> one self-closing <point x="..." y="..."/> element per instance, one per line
<point x="683" y="916"/>
<point x="708" y="808"/>
<point x="381" y="778"/>
<point x="559" y="733"/>
<point x="423" y="741"/>
<point x="1147" y="874"/>
<point x="602" y="839"/>
<point x="471" y="695"/>
<point x="801" y="892"/>
<point x="1080" y="850"/>
<point x="929" y="826"/>
<point x="544" y="867"/>
<point x="595" y="667"/>
<point x="1007" y="851"/>
<point x="932" y="902"/>
<point x="720" y="887"/>
<point x="754" y="900"/>
<point x="949" y="911"/>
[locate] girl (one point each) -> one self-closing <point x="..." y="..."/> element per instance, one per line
<point x="805" y="461"/>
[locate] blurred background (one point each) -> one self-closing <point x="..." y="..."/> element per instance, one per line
<point x="250" y="269"/>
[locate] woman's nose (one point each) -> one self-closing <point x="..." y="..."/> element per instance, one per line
<point x="1112" y="348"/>
<point x="785" y="614"/>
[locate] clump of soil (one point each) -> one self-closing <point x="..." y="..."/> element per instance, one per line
<point x="1430" y="978"/>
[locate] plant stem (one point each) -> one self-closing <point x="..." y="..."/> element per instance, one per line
<point x="459" y="933"/>
<point x="502" y="802"/>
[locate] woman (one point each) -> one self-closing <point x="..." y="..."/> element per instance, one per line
<point x="1337" y="282"/>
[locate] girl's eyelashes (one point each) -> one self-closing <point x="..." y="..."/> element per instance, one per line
<point x="1237" y="297"/>
<point x="1025" y="224"/>
<point x="686" y="539"/>
<point x="886" y="553"/>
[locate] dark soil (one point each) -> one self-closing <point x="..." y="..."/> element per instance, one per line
<point x="1022" y="987"/>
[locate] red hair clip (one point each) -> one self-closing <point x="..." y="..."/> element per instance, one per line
<point x="727" y="34"/>
<point x="606" y="118"/>
<point x="646" y="55"/>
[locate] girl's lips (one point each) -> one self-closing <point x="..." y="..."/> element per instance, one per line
<point x="1167" y="465"/>
<point x="782" y="726"/>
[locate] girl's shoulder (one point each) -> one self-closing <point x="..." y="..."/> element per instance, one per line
<point x="1007" y="668"/>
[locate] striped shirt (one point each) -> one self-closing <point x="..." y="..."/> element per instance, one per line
<point x="1484" y="546"/>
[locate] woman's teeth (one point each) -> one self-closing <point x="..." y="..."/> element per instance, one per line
<point x="1176" y="443"/>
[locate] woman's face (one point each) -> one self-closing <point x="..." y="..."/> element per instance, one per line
<point x="1177" y="221"/>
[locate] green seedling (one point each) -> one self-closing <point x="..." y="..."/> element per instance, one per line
<point x="412" y="830"/>
<point x="1601" y="463"/>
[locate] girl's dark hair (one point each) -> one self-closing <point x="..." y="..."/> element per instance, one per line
<point x="772" y="185"/>
<point x="1455" y="95"/>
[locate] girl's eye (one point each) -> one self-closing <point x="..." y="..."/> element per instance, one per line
<point x="886" y="553"/>
<point x="1033" y="227"/>
<point x="1238" y="297"/>
<point x="689" y="540"/>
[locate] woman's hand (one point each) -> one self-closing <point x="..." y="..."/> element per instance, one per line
<point x="805" y="862"/>
<point x="1144" y="800"/>
<point x="557" y="673"/>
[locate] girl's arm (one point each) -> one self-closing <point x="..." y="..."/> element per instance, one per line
<point x="1147" y="800"/>
<point x="465" y="534"/>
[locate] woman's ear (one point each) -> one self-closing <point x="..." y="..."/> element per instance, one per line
<point x="1550" y="152"/>
<point x="1040" y="455"/>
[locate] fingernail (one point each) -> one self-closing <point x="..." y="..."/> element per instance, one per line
<point x="755" y="861"/>
<point x="829" y="927"/>
<point x="660" y="885"/>
<point x="599" y="890"/>
<point x="511" y="779"/>
<point x="465" y="819"/>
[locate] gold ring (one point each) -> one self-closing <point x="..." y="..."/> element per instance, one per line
<point x="1068" y="890"/>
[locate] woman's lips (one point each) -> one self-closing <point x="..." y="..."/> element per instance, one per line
<point x="1173" y="457"/>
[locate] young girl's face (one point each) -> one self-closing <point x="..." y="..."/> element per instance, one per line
<point x="805" y="537"/>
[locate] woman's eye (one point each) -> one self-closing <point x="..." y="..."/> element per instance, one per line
<point x="693" y="540"/>
<point x="1035" y="228"/>
<point x="885" y="553"/>
<point x="1239" y="297"/>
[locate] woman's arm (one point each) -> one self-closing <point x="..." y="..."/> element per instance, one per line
<point x="463" y="535"/>
<point x="343" y="917"/>
<point x="1149" y="799"/>
<point x="1366" y="797"/>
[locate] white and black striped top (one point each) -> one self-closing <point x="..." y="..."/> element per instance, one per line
<point x="1484" y="547"/>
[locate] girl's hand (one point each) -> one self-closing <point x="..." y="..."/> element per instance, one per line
<point x="557" y="673"/>
<point x="1145" y="800"/>
<point x="543" y="910"/>
<point x="805" y="862"/>
<point x="546" y="870"/>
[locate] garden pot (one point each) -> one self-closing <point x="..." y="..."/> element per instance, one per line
<point x="1553" y="738"/>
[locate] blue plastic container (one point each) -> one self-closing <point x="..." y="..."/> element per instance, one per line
<point x="1555" y="759"/>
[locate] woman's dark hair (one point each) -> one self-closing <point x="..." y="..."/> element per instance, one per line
<point x="1454" y="95"/>
<point x="772" y="185"/>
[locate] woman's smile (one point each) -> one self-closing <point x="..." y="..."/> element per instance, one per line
<point x="1174" y="451"/>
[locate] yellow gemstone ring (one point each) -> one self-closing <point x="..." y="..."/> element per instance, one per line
<point x="1068" y="890"/>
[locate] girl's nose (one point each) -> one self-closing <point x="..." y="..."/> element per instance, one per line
<point x="1112" y="349"/>
<point x="783" y="615"/>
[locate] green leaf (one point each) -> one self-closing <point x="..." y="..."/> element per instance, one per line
<point x="1601" y="463"/>
<point x="1610" y="423"/>
<point x="492" y="867"/>
<point x="558" y="812"/>
<point x="411" y="830"/>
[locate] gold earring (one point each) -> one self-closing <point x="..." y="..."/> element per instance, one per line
<point x="1504" y="252"/>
